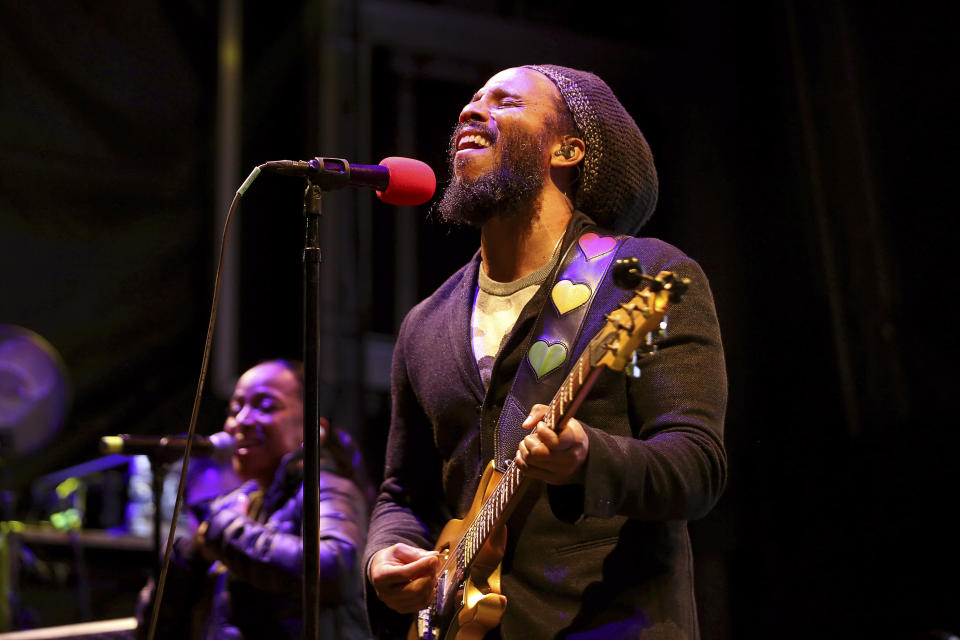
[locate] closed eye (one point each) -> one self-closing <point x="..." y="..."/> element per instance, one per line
<point x="267" y="404"/>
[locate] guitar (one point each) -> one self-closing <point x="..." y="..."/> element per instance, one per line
<point x="466" y="601"/>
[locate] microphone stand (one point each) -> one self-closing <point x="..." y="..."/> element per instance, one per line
<point x="327" y="174"/>
<point x="312" y="210"/>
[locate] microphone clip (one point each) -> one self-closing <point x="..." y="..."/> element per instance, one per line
<point x="330" y="174"/>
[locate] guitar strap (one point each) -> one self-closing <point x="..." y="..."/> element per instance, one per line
<point x="559" y="326"/>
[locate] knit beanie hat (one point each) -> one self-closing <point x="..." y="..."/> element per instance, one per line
<point x="618" y="184"/>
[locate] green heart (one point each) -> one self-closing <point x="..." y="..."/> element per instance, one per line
<point x="545" y="358"/>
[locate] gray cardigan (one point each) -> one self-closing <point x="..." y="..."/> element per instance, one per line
<point x="611" y="556"/>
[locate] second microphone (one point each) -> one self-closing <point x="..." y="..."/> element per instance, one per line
<point x="219" y="446"/>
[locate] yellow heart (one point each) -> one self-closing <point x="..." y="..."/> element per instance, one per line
<point x="568" y="296"/>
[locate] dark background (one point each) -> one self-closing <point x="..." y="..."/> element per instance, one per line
<point x="804" y="161"/>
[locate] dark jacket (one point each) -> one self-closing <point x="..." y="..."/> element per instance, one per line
<point x="610" y="557"/>
<point x="254" y="590"/>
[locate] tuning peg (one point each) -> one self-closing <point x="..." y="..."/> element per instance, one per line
<point x="618" y="323"/>
<point x="627" y="273"/>
<point x="677" y="287"/>
<point x="649" y="347"/>
<point x="633" y="368"/>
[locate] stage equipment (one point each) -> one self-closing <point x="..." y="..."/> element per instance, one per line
<point x="34" y="391"/>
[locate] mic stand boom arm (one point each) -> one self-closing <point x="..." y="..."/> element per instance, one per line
<point x="334" y="173"/>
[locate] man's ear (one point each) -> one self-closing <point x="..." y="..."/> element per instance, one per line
<point x="567" y="152"/>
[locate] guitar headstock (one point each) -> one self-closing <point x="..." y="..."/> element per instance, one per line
<point x="630" y="328"/>
<point x="628" y="274"/>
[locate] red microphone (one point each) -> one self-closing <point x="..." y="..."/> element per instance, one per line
<point x="411" y="182"/>
<point x="404" y="182"/>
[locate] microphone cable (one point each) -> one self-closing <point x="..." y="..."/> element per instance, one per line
<point x="191" y="431"/>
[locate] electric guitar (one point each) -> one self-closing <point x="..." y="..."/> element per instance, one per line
<point x="466" y="601"/>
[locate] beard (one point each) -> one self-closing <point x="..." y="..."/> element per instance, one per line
<point x="511" y="188"/>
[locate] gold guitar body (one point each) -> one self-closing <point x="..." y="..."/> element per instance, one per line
<point x="481" y="605"/>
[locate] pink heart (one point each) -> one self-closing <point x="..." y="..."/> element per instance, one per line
<point x="594" y="246"/>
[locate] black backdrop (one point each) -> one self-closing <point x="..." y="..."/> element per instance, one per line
<point x="803" y="152"/>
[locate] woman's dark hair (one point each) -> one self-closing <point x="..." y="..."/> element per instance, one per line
<point x="339" y="444"/>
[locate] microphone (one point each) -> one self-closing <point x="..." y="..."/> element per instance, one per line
<point x="220" y="446"/>
<point x="404" y="182"/>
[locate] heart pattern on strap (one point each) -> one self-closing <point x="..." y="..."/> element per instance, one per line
<point x="544" y="357"/>
<point x="594" y="246"/>
<point x="567" y="296"/>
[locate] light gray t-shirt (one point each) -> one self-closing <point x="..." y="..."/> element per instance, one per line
<point x="496" y="309"/>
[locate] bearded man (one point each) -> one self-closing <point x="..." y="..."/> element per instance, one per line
<point x="597" y="546"/>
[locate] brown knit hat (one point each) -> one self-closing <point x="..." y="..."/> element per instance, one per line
<point x="618" y="185"/>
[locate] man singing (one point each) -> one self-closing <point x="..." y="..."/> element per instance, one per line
<point x="553" y="170"/>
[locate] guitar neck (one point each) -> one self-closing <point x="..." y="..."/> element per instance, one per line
<point x="499" y="504"/>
